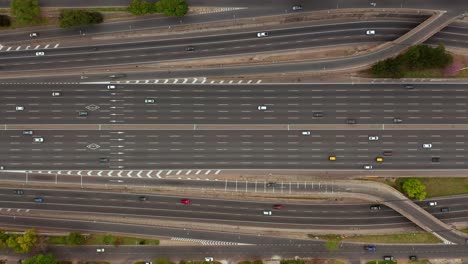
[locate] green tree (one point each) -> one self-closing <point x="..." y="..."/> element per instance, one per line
<point x="41" y="259"/>
<point x="77" y="17"/>
<point x="177" y="8"/>
<point x="26" y="11"/>
<point x="13" y="243"/>
<point x="27" y="241"/>
<point x="75" y="238"/>
<point x="141" y="7"/>
<point x="414" y="188"/>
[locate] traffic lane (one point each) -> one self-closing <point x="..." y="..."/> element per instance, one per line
<point x="247" y="218"/>
<point x="207" y="209"/>
<point x="266" y="247"/>
<point x="212" y="41"/>
<point x="170" y="201"/>
<point x="225" y="149"/>
<point x="185" y="103"/>
<point x="89" y="59"/>
<point x="204" y="49"/>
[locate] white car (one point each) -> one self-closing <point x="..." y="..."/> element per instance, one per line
<point x="266" y="212"/>
<point x="56" y="94"/>
<point x="19" y="108"/>
<point x="305" y="133"/>
<point x="100" y="250"/>
<point x="428" y="146"/>
<point x="368" y="167"/>
<point x="209" y="259"/>
<point x="40" y="53"/>
<point x="262" y="34"/>
<point x="110" y="87"/>
<point x="33" y="35"/>
<point x="149" y="101"/>
<point x="432" y="203"/>
<point x="373" y="138"/>
<point x="38" y="139"/>
<point x="370" y="32"/>
<point x="262" y="107"/>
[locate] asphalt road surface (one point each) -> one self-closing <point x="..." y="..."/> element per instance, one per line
<point x="263" y="248"/>
<point x="234" y="104"/>
<point x="299" y="216"/>
<point x="204" y="47"/>
<point x="213" y="149"/>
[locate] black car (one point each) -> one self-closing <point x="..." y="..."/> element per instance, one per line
<point x="413" y="258"/>
<point x="388" y="153"/>
<point x="351" y="121"/>
<point x="83" y="113"/>
<point x="18" y="192"/>
<point x="445" y="209"/>
<point x="435" y="159"/>
<point x="317" y="114"/>
<point x="142" y="198"/>
<point x="375" y="207"/>
<point x="190" y="48"/>
<point x="103" y="160"/>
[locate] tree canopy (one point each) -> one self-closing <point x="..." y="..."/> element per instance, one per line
<point x="419" y="57"/>
<point x="414" y="188"/>
<point x="41" y="259"/>
<point x="77" y="17"/>
<point x="177" y="8"/>
<point x="26" y="11"/>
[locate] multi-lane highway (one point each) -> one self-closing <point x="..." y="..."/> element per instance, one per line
<point x="201" y="210"/>
<point x="233" y="104"/>
<point x="205" y="46"/>
<point x="281" y="39"/>
<point x="224" y="149"/>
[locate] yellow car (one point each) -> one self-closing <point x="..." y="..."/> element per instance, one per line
<point x="332" y="158"/>
<point x="379" y="159"/>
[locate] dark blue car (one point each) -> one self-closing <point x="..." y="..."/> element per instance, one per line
<point x="370" y="248"/>
<point x="39" y="200"/>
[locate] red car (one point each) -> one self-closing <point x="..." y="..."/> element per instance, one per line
<point x="185" y="201"/>
<point x="277" y="206"/>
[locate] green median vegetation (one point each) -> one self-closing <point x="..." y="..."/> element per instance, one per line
<point x="436" y="187"/>
<point x="100" y="239"/>
<point x="175" y="8"/>
<point x="78" y="17"/>
<point x="26" y="12"/>
<point x="417" y="59"/>
<point x="404" y="238"/>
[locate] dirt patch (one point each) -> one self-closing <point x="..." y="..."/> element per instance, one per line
<point x="272" y="57"/>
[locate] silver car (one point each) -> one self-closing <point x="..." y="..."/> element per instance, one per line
<point x="373" y="138"/>
<point x="427" y="146"/>
<point x="38" y="139"/>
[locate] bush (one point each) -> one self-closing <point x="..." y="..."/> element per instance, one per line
<point x="77" y="17"/>
<point x="414" y="189"/>
<point x="64" y="262"/>
<point x="162" y="260"/>
<point x="257" y="261"/>
<point x="419" y="57"/>
<point x="176" y="8"/>
<point x="75" y="239"/>
<point x="41" y="259"/>
<point x="26" y="11"/>
<point x="292" y="261"/>
<point x="5" y="21"/>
